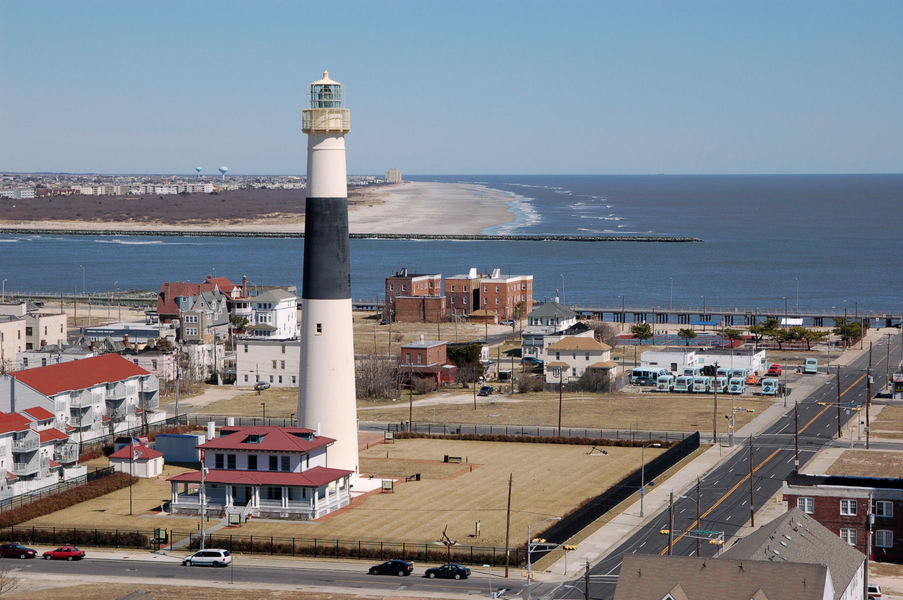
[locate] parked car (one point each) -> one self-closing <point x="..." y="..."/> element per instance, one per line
<point x="485" y="390"/>
<point x="261" y="385"/>
<point x="448" y="571"/>
<point x="16" y="551"/>
<point x="774" y="369"/>
<point x="384" y="321"/>
<point x="211" y="557"/>
<point x="874" y="592"/>
<point x="508" y="322"/>
<point x="393" y="567"/>
<point x="65" y="553"/>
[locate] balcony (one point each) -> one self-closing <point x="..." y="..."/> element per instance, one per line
<point x="66" y="453"/>
<point x="149" y="400"/>
<point x="81" y="400"/>
<point x="117" y="391"/>
<point x="149" y="385"/>
<point x="85" y="419"/>
<point x="23" y="469"/>
<point x="29" y="443"/>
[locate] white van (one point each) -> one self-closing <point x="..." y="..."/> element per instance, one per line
<point x="212" y="557"/>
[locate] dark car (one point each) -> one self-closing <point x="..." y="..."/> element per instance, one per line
<point x="393" y="567"/>
<point x="16" y="551"/>
<point x="485" y="390"/>
<point x="65" y="553"/>
<point x="261" y="385"/>
<point x="508" y="322"/>
<point x="448" y="571"/>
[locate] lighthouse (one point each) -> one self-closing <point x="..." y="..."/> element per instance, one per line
<point x="326" y="394"/>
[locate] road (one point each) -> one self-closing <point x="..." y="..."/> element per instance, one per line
<point x="352" y="579"/>
<point x="725" y="501"/>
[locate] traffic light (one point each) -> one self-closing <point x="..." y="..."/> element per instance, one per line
<point x="717" y="542"/>
<point x="822" y="403"/>
<point x="665" y="531"/>
<point x="569" y="548"/>
<point x="538" y="540"/>
<point x="750" y="410"/>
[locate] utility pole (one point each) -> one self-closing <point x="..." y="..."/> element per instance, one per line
<point x="796" y="436"/>
<point x="868" y="397"/>
<point x="839" y="430"/>
<point x="508" y="525"/>
<point x="560" y="381"/>
<point x="752" y="487"/>
<point x="715" y="409"/>
<point x="670" y="522"/>
<point x="203" y="497"/>
<point x="698" y="524"/>
<point x="586" y="582"/>
<point x="869" y="519"/>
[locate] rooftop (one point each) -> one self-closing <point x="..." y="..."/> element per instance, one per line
<point x="79" y="374"/>
<point x="267" y="438"/>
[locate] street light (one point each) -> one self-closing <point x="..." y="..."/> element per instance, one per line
<point x="671" y="296"/>
<point x="489" y="566"/>
<point x="264" y="405"/>
<point x="703" y="313"/>
<point x="83" y="278"/>
<point x="643" y="473"/>
<point x="623" y="314"/>
<point x="530" y="550"/>
<point x="133" y="454"/>
<point x="3" y="293"/>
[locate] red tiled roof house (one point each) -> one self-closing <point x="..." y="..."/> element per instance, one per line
<point x="276" y="472"/>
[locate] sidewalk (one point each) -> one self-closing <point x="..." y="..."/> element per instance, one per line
<point x="598" y="545"/>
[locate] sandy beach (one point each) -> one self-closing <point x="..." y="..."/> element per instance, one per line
<point x="411" y="207"/>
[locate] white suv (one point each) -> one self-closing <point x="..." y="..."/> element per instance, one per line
<point x="211" y="557"/>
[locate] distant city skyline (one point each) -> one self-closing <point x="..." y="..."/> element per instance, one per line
<point x="695" y="87"/>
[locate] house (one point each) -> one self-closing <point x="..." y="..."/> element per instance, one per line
<point x="414" y="297"/>
<point x="276" y="362"/>
<point x="172" y="295"/>
<point x="571" y="356"/>
<point x="427" y="359"/>
<point x="203" y="318"/>
<point x="89" y="398"/>
<point x="655" y="577"/>
<point x="842" y="503"/>
<point x="275" y="315"/>
<point x="162" y="364"/>
<point x="278" y="472"/>
<point x="137" y="460"/>
<point x="548" y="319"/>
<point x="673" y="359"/>
<point x="798" y="538"/>
<point x="52" y="354"/>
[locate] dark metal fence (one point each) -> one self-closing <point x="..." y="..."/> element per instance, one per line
<point x="50" y="490"/>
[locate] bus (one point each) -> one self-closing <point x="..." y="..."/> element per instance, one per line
<point x="739" y="373"/>
<point x="719" y="385"/>
<point x="702" y="384"/>
<point x="770" y="386"/>
<point x="811" y="365"/>
<point x="683" y="383"/>
<point x="664" y="383"/>
<point x="723" y="372"/>
<point x="736" y="385"/>
<point x="693" y="371"/>
<point x="646" y="375"/>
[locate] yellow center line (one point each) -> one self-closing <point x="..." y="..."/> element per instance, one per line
<point x="761" y="464"/>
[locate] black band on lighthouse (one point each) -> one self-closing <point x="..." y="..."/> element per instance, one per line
<point x="327" y="267"/>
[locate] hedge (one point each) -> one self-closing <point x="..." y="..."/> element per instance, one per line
<point x="71" y="497"/>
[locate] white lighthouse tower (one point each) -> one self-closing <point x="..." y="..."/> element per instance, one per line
<point x="326" y="395"/>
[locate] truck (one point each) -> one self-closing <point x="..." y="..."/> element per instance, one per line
<point x="810" y="366"/>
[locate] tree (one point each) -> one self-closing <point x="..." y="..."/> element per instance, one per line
<point x="605" y="332"/>
<point x="687" y="335"/>
<point x="376" y="378"/>
<point x="780" y="336"/>
<point x="732" y="334"/>
<point x="525" y="382"/>
<point x="810" y="335"/>
<point x="642" y="331"/>
<point x="594" y="380"/>
<point x="238" y="324"/>
<point x="847" y="330"/>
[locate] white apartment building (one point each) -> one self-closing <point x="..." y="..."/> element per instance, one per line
<point x="12" y="341"/>
<point x="275" y="315"/>
<point x="393" y="176"/>
<point x="18" y="193"/>
<point x="51" y="355"/>
<point x="276" y="362"/>
<point x="45" y="330"/>
<point x="33" y="453"/>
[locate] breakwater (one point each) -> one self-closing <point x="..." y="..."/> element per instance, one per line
<point x="547" y="237"/>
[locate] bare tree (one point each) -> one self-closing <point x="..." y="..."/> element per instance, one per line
<point x="8" y="581"/>
<point x="376" y="378"/>
<point x="605" y="332"/>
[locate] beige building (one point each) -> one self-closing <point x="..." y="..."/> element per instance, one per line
<point x="276" y="362"/>
<point x="45" y="330"/>
<point x="12" y="341"/>
<point x="570" y="357"/>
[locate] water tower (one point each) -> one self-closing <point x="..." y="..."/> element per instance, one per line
<point x="198" y="169"/>
<point x="223" y="171"/>
<point x="326" y="394"/>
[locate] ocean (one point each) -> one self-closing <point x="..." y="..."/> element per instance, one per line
<point x="816" y="242"/>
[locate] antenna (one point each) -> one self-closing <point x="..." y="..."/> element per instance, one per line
<point x="198" y="169"/>
<point x="223" y="171"/>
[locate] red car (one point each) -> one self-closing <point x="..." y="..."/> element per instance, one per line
<point x="65" y="553"/>
<point x="16" y="551"/>
<point x="774" y="370"/>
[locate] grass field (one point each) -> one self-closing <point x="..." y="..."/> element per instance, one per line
<point x="372" y="338"/>
<point x="460" y="495"/>
<point x="868" y="463"/>
<point x="889" y="423"/>
<point x="672" y="412"/>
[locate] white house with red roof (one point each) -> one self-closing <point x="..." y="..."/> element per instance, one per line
<point x="137" y="460"/>
<point x="33" y="454"/>
<point x="88" y="397"/>
<point x="278" y="472"/>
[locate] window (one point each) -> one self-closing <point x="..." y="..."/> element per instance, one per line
<point x="419" y="358"/>
<point x="558" y="356"/>
<point x="283" y="348"/>
<point x="464" y="288"/>
<point x="848" y="535"/>
<point x="246" y="377"/>
<point x="587" y="356"/>
<point x="496" y="289"/>
<point x="286" y="463"/>
<point x="293" y="379"/>
<point x="246" y="347"/>
<point x="464" y="300"/>
<point x="403" y="288"/>
<point x="280" y="379"/>
<point x="282" y="365"/>
<point x="274" y="463"/>
<point x="252" y="462"/>
<point x="154" y="363"/>
<point x="485" y="289"/>
<point x="230" y="461"/>
<point x="884" y="508"/>
<point x="496" y="300"/>
<point x="319" y="330"/>
<point x="274" y="364"/>
<point x="807" y="505"/>
<point x="25" y="362"/>
<point x="218" y="462"/>
<point x="271" y="379"/>
<point x="453" y="287"/>
<point x="848" y="508"/>
<point x="391" y="287"/>
<point x="884" y="538"/>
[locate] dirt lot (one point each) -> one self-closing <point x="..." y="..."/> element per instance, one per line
<point x="460" y="495"/>
<point x="868" y="463"/>
<point x="889" y="423"/>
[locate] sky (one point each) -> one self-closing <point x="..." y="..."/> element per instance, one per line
<point x="463" y="87"/>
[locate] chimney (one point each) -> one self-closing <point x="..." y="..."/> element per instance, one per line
<point x="125" y="340"/>
<point x="211" y="430"/>
<point x="244" y="285"/>
<point x="472" y="273"/>
<point x="92" y="345"/>
<point x="496" y="273"/>
<point x="43" y="343"/>
<point x="12" y="393"/>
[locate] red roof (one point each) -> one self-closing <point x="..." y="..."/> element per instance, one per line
<point x="79" y="374"/>
<point x="314" y="477"/>
<point x="38" y="412"/>
<point x="51" y="434"/>
<point x="285" y="439"/>
<point x="141" y="452"/>
<point x="54" y="464"/>
<point x="170" y="290"/>
<point x="13" y="422"/>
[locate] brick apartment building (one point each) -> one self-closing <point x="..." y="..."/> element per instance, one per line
<point x="414" y="297"/>
<point x="495" y="293"/>
<point x="841" y="503"/>
<point x="427" y="359"/>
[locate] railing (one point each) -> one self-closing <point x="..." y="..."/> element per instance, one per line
<point x="26" y="468"/>
<point x="66" y="453"/>
<point x="28" y="444"/>
<point x="149" y="400"/>
<point x="80" y="400"/>
<point x="117" y="391"/>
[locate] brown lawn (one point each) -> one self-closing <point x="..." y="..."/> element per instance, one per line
<point x="868" y="463"/>
<point x="64" y="589"/>
<point x="889" y="423"/>
<point x="548" y="480"/>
